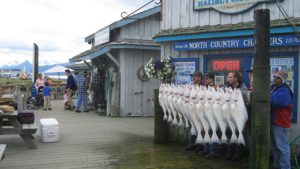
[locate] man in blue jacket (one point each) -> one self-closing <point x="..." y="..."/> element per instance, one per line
<point x="70" y="87"/>
<point x="281" y="107"/>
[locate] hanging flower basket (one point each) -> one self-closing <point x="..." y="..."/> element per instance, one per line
<point x="160" y="69"/>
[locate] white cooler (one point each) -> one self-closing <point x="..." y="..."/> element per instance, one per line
<point x="49" y="130"/>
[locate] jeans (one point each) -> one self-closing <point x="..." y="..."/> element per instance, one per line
<point x="280" y="147"/>
<point x="96" y="90"/>
<point x="192" y="139"/>
<point x="82" y="98"/>
<point x="98" y="97"/>
<point x="214" y="149"/>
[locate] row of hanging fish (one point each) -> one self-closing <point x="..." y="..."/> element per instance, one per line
<point x="203" y="109"/>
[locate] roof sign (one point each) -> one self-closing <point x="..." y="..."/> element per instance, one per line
<point x="228" y="6"/>
<point x="102" y="36"/>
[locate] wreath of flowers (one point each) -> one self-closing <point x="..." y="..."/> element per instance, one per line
<point x="160" y="69"/>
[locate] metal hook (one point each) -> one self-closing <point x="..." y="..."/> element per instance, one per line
<point x="128" y="16"/>
<point x="123" y="14"/>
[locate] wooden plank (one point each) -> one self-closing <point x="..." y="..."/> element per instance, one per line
<point x="175" y="13"/>
<point x="137" y="83"/>
<point x="123" y="83"/>
<point x="148" y="35"/>
<point x="155" y="29"/>
<point x="184" y="17"/>
<point x="129" y="80"/>
<point x="291" y="8"/>
<point x="135" y="31"/>
<point x="142" y="31"/>
<point x="236" y="19"/>
<point x="214" y="17"/>
<point x="194" y="16"/>
<point x="225" y="19"/>
<point x="274" y="11"/>
<point x="246" y="17"/>
<point x="168" y="14"/>
<point x="296" y="8"/>
<point x="204" y="18"/>
<point x="2" y="151"/>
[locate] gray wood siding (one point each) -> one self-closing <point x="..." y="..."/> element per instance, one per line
<point x="180" y="14"/>
<point x="136" y="104"/>
<point x="143" y="29"/>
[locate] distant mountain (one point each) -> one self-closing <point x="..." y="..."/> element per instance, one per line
<point x="26" y="64"/>
<point x="29" y="66"/>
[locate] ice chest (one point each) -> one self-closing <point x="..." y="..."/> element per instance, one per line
<point x="49" y="130"/>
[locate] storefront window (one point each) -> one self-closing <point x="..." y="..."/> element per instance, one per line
<point x="222" y="66"/>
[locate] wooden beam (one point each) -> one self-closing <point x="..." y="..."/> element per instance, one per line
<point x="2" y="151"/>
<point x="113" y="59"/>
<point x="28" y="141"/>
<point x="87" y="64"/>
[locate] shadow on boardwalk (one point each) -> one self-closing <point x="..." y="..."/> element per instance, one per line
<point x="91" y="141"/>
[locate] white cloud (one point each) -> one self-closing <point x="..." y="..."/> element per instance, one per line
<point x="57" y="26"/>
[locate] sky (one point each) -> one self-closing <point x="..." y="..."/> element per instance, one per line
<point x="58" y="27"/>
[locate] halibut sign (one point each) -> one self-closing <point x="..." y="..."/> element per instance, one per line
<point x="228" y="6"/>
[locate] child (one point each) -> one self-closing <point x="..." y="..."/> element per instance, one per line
<point x="47" y="96"/>
<point x="66" y="103"/>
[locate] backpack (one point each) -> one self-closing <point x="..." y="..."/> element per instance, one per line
<point x="75" y="87"/>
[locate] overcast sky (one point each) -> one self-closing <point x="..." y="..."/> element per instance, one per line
<point x="57" y="26"/>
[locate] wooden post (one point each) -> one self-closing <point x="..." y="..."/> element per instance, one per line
<point x="108" y="97"/>
<point x="35" y="62"/>
<point x="260" y="125"/>
<point x="115" y="95"/>
<point x="160" y="125"/>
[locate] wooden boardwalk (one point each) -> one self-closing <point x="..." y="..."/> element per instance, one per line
<point x="88" y="140"/>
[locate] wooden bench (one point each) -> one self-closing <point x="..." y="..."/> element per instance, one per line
<point x="2" y="151"/>
<point x="9" y="125"/>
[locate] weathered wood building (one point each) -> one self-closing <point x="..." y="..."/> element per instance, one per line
<point x="219" y="37"/>
<point x="121" y="49"/>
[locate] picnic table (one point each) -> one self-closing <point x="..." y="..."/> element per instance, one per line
<point x="9" y="125"/>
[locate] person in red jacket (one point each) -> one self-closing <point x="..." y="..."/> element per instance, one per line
<point x="281" y="108"/>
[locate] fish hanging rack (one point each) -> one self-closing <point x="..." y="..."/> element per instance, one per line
<point x="129" y="16"/>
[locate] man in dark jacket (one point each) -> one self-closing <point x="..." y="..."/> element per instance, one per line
<point x="70" y="87"/>
<point x="281" y="107"/>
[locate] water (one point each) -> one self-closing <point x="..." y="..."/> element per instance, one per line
<point x="141" y="153"/>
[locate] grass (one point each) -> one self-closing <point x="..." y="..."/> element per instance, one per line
<point x="14" y="81"/>
<point x="23" y="82"/>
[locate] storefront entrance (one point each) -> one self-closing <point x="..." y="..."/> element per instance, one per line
<point x="221" y="65"/>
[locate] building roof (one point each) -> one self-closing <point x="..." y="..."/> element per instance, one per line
<point x="79" y="66"/>
<point x="219" y="28"/>
<point x="123" y="44"/>
<point x="129" y="20"/>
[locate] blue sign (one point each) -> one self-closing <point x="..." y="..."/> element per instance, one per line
<point x="235" y="43"/>
<point x="228" y="6"/>
<point x="184" y="68"/>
